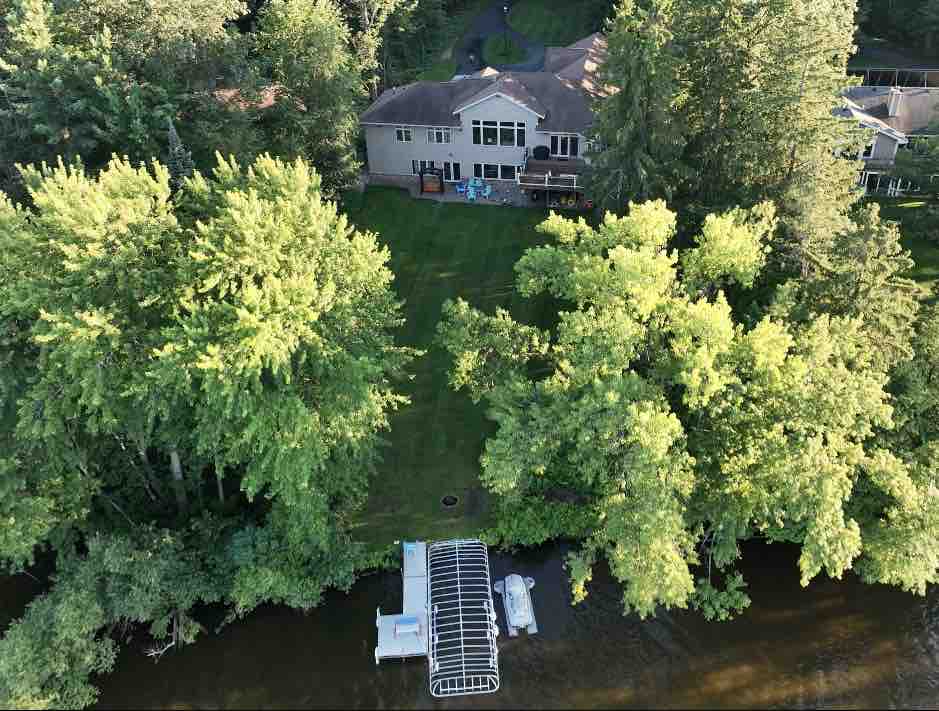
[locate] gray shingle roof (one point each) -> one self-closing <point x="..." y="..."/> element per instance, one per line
<point x="562" y="93"/>
<point x="507" y="85"/>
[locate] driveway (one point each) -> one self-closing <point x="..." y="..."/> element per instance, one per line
<point x="492" y="22"/>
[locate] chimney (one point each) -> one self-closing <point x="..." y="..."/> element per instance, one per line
<point x="893" y="103"/>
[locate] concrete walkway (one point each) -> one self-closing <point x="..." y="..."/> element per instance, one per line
<point x="491" y="22"/>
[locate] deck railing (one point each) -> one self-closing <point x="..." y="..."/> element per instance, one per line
<point x="546" y="181"/>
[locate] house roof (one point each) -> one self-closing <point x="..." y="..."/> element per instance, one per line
<point x="560" y="95"/>
<point x="511" y="88"/>
<point x="916" y="109"/>
<point x="852" y="109"/>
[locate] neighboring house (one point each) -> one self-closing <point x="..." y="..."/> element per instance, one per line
<point x="488" y="124"/>
<point x="898" y="116"/>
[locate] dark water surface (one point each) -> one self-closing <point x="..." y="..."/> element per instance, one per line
<point x="834" y="644"/>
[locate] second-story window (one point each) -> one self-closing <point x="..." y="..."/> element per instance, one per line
<point x="402" y="134"/>
<point x="490" y="133"/>
<point x="498" y="133"/>
<point x="438" y="135"/>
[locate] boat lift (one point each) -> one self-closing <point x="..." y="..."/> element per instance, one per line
<point x="448" y="617"/>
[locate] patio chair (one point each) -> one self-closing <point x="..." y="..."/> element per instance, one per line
<point x="471" y="193"/>
<point x="461" y="188"/>
<point x="487" y="191"/>
<point x="476" y="182"/>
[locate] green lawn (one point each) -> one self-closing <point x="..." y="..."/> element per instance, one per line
<point x="439" y="251"/>
<point x="919" y="227"/>
<point x="558" y="22"/>
<point x="500" y="49"/>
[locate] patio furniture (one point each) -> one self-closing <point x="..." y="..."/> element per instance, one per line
<point x="471" y="193"/>
<point x="487" y="191"/>
<point x="461" y="188"/>
<point x="476" y="182"/>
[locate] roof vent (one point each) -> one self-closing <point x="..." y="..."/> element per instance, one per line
<point x="893" y="103"/>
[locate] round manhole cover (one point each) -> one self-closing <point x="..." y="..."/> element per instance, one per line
<point x="449" y="501"/>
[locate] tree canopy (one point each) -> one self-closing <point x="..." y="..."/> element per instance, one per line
<point x="729" y="102"/>
<point x="660" y="431"/>
<point x="193" y="390"/>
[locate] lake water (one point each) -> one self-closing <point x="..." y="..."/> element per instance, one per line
<point x="834" y="644"/>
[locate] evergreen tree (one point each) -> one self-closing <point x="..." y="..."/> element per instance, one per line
<point x="639" y="126"/>
<point x="179" y="160"/>
<point x="860" y="275"/>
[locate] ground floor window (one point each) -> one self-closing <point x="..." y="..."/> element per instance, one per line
<point x="451" y="171"/>
<point x="492" y="171"/>
<point x="418" y="165"/>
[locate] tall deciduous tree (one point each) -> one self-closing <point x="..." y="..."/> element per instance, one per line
<point x="660" y="433"/>
<point x="192" y="394"/>
<point x="319" y="85"/>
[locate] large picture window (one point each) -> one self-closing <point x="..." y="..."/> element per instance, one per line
<point x="402" y="134"/>
<point x="498" y="133"/>
<point x="490" y="133"/>
<point x="438" y="135"/>
<point x="507" y="133"/>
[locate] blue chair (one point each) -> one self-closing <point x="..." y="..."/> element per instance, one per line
<point x="487" y="191"/>
<point x="476" y="182"/>
<point x="461" y="187"/>
<point x="471" y="193"/>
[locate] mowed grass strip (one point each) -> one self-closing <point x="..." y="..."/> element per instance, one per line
<point x="439" y="251"/>
<point x="500" y="49"/>
<point x="558" y="22"/>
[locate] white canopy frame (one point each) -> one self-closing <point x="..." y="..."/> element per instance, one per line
<point x="463" y="655"/>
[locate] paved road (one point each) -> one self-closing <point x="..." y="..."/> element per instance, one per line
<point x="492" y="22"/>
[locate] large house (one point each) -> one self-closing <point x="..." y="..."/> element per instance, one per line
<point x="492" y="124"/>
<point x="898" y="116"/>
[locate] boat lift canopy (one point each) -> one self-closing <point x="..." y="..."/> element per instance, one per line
<point x="463" y="656"/>
<point x="448" y="617"/>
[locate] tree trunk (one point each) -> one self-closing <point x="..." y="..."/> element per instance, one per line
<point x="178" y="485"/>
<point x="221" y="487"/>
<point x="154" y="490"/>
